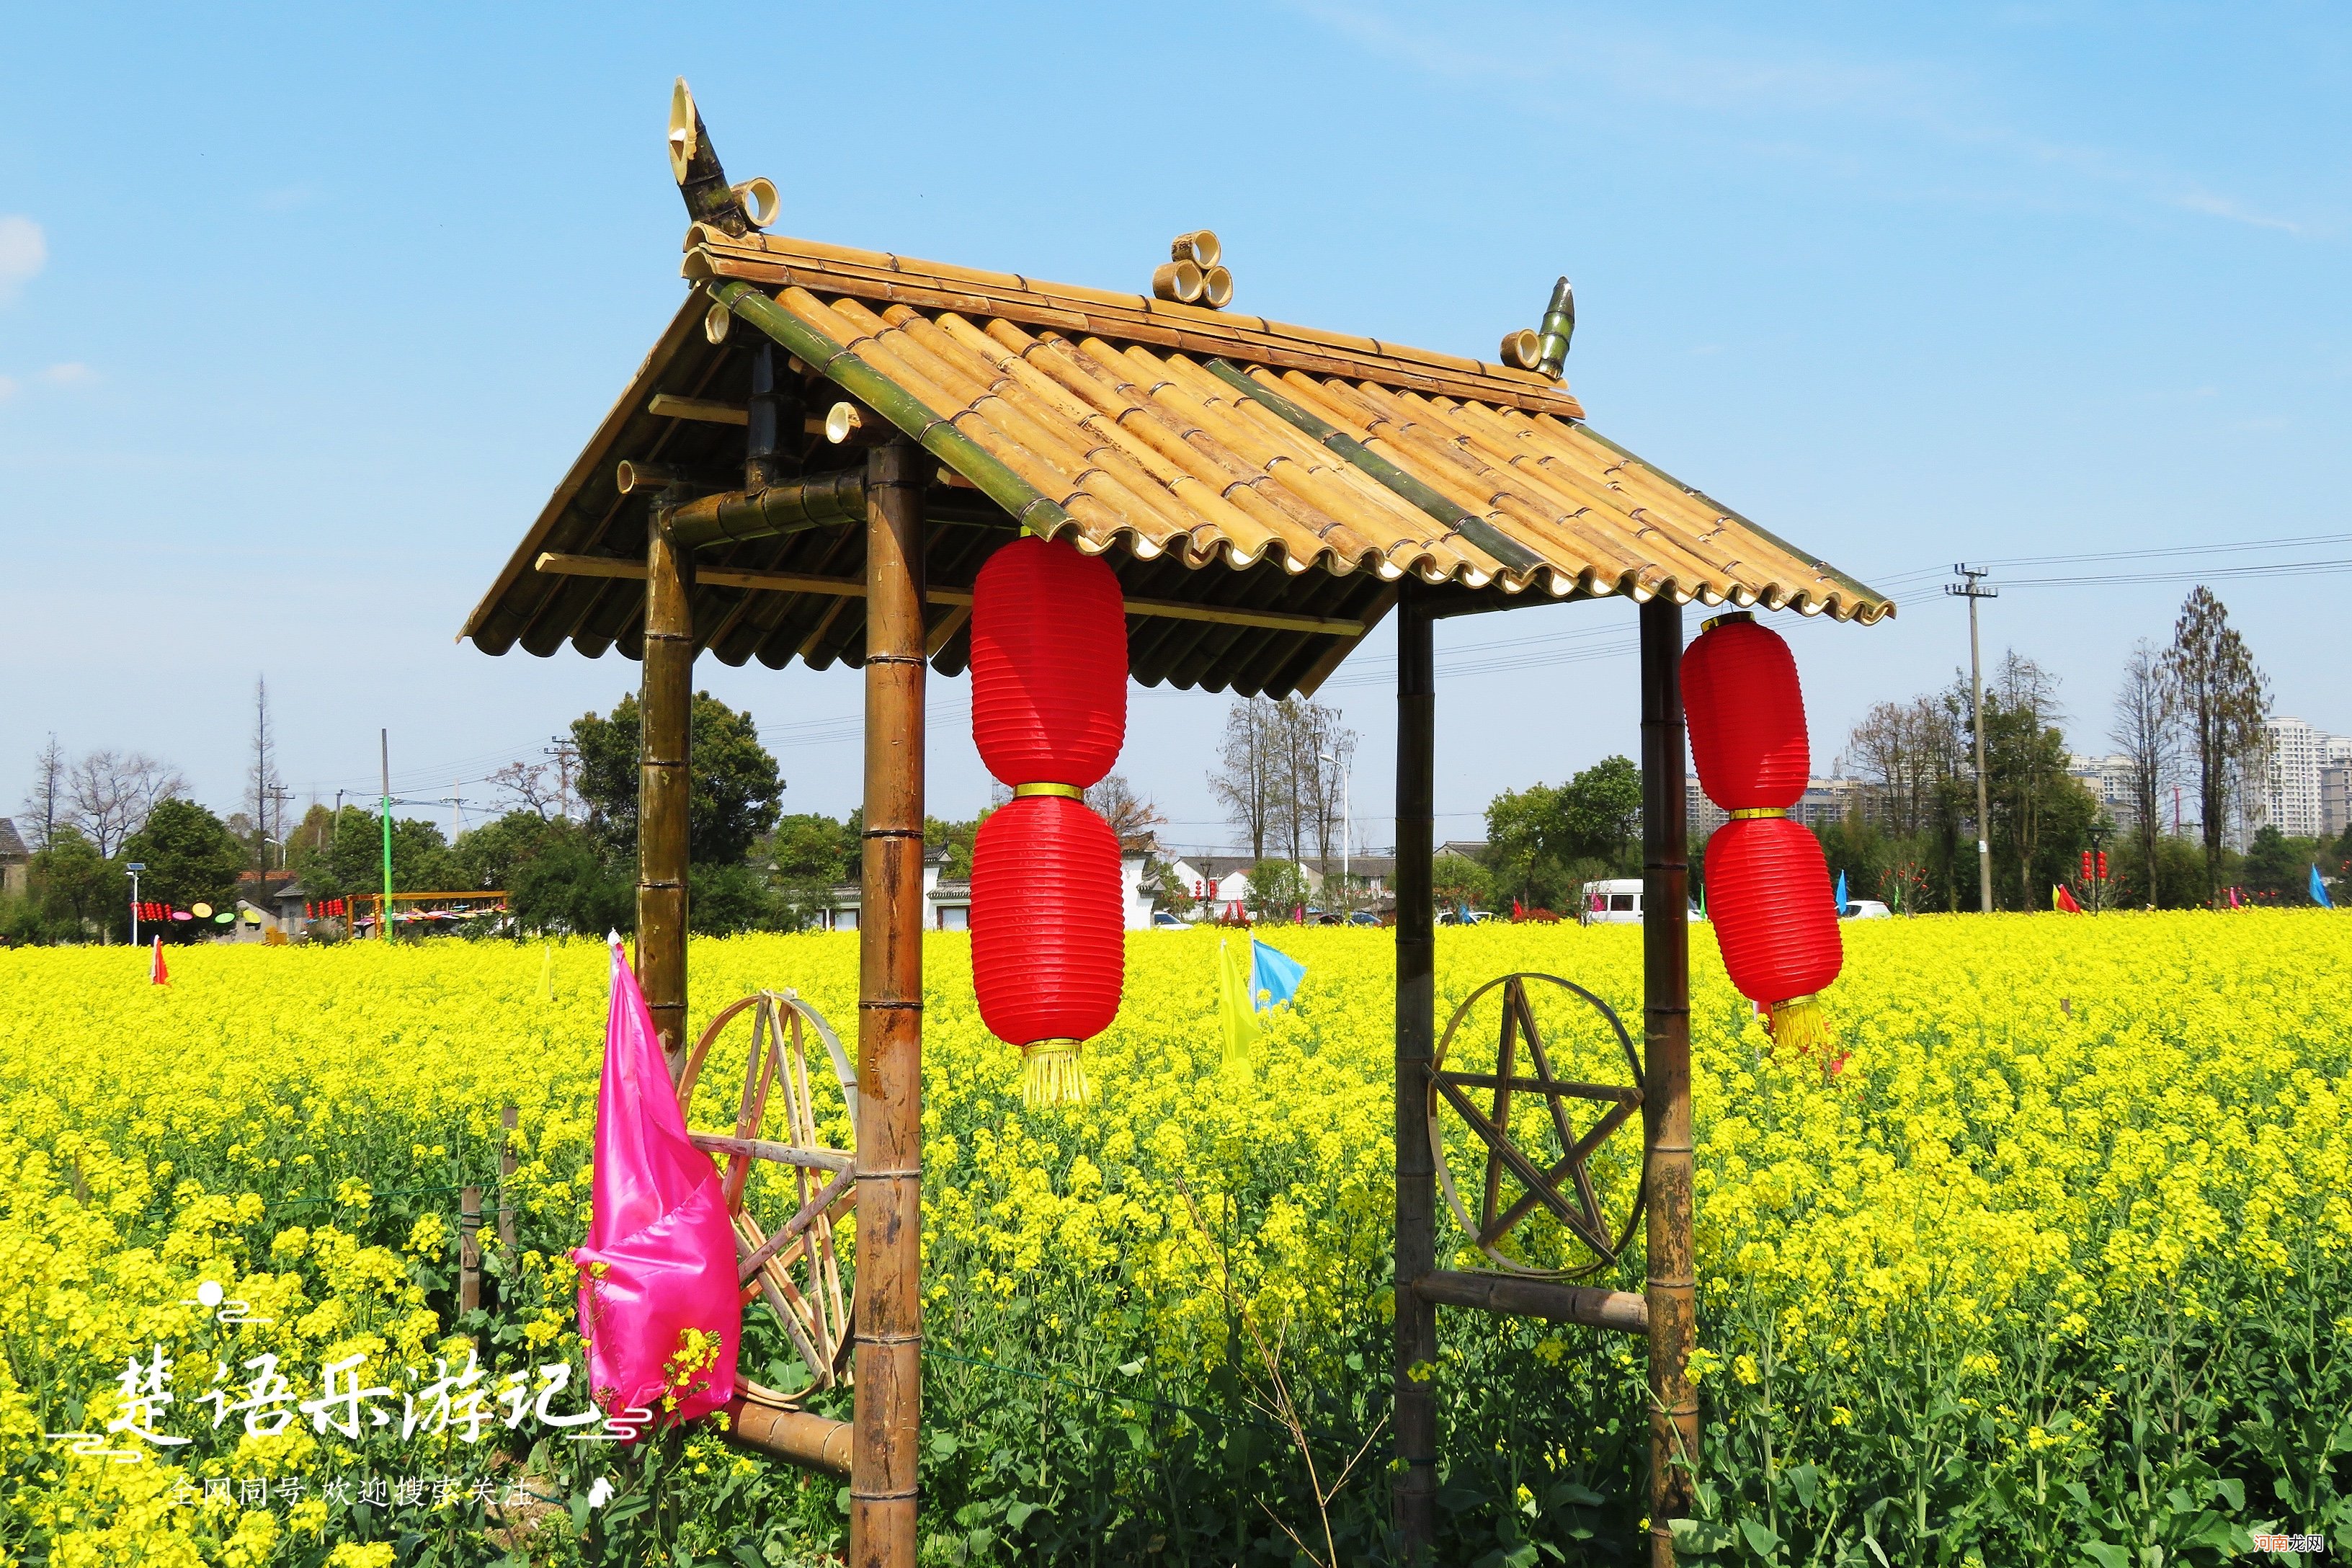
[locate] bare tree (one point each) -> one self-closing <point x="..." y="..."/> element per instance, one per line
<point x="46" y="804"/>
<point x="1135" y="819"/>
<point x="1329" y="750"/>
<point x="265" y="792"/>
<point x="2220" y="700"/>
<point x="526" y="786"/>
<point x="2028" y="694"/>
<point x="112" y="792"/>
<point x="1903" y="751"/>
<point x="1247" y="780"/>
<point x="2145" y="732"/>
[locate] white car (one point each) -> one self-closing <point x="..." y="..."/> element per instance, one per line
<point x="1866" y="910"/>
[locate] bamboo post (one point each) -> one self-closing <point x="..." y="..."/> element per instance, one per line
<point x="888" y="1332"/>
<point x="1667" y="1103"/>
<point x="1416" y="1170"/>
<point x="663" y="784"/>
<point x="469" y="1250"/>
<point x="506" y="1116"/>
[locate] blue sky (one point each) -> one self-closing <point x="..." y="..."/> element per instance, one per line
<point x="303" y="310"/>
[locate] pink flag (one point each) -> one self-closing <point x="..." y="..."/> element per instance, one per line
<point x="659" y="1302"/>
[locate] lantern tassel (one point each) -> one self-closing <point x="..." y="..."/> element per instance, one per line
<point x="1800" y="1024"/>
<point x="1052" y="1074"/>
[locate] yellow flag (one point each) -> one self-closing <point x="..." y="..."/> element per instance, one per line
<point x="1235" y="1013"/>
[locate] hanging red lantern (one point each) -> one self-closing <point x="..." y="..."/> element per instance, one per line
<point x="1049" y="715"/>
<point x="1745" y="714"/>
<point x="1767" y="884"/>
<point x="1048" y="944"/>
<point x="1048" y="664"/>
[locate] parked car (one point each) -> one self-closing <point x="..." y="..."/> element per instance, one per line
<point x="1162" y="921"/>
<point x="1866" y="910"/>
<point x="1363" y="917"/>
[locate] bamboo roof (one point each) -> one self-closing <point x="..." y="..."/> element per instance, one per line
<point x="1260" y="489"/>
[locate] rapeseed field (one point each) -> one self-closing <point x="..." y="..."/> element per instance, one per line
<point x="2048" y="1264"/>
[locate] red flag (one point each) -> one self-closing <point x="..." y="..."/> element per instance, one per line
<point x="158" y="975"/>
<point x="2066" y="902"/>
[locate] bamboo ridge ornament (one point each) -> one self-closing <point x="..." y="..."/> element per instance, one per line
<point x="1193" y="274"/>
<point x="1767" y="884"/>
<point x="1049" y="716"/>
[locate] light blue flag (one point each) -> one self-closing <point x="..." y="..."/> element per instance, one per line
<point x="2319" y="891"/>
<point x="1841" y="895"/>
<point x="1273" y="975"/>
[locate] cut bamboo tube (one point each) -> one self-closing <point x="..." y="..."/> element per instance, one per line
<point x="797" y="1436"/>
<point x="694" y="163"/>
<point x="634" y="475"/>
<point x="1177" y="280"/>
<point x="810" y="502"/>
<point x="759" y="200"/>
<point x="1201" y="248"/>
<point x="1558" y="326"/>
<point x="1523" y="349"/>
<point x="842" y="421"/>
<point x="1216" y="288"/>
<point x="715" y="321"/>
<point x="666" y="406"/>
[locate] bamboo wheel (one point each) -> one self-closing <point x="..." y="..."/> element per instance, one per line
<point x="1553" y="1175"/>
<point x="795" y="1267"/>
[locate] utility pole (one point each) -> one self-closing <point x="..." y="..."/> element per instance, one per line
<point x="384" y="912"/>
<point x="564" y="752"/>
<point x="1972" y="590"/>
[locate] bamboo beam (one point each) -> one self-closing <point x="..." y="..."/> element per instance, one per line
<point x="1514" y="1296"/>
<point x="1671" y="1287"/>
<point x="1030" y="507"/>
<point x="1416" y="1170"/>
<point x="664" y="784"/>
<point x="672" y="407"/>
<point x="795" y="1436"/>
<point x="854" y="588"/>
<point x="808" y="502"/>
<point x="888" y="1326"/>
<point x="1509" y="552"/>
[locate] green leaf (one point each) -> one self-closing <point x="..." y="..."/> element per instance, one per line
<point x="2107" y="1555"/>
<point x="1806" y="1479"/>
<point x="1760" y="1537"/>
<point x="1137" y="1437"/>
<point x="943" y="1446"/>
<point x="2234" y="1492"/>
<point x="1128" y="1369"/>
<point x="1698" y="1534"/>
<point x="1018" y="1513"/>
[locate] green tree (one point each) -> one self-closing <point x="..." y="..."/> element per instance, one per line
<point x="808" y="855"/>
<point x="2279" y="868"/>
<point x="1542" y="842"/>
<point x="191" y="856"/>
<point x="736" y="788"/>
<point x="350" y="863"/>
<point x="1277" y="890"/>
<point x="567" y="885"/>
<point x="2221" y="698"/>
<point x="491" y="854"/>
<point x="73" y="891"/>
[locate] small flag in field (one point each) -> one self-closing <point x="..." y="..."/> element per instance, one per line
<point x="1273" y="975"/>
<point x="1841" y="894"/>
<point x="2063" y="902"/>
<point x="1236" y="1019"/>
<point x="157" y="974"/>
<point x="2319" y="891"/>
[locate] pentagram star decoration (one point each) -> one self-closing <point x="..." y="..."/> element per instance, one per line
<point x="1564" y="1185"/>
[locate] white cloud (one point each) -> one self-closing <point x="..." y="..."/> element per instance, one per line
<point x="71" y="372"/>
<point x="8" y="388"/>
<point x="24" y="251"/>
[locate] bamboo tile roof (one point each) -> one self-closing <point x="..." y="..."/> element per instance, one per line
<point x="1260" y="489"/>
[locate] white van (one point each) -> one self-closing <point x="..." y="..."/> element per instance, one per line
<point x="1616" y="901"/>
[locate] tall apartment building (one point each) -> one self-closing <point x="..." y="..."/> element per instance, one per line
<point x="2290" y="799"/>
<point x="2108" y="779"/>
<point x="2336" y="785"/>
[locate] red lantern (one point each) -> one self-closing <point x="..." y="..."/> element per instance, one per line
<point x="1048" y="664"/>
<point x="1768" y="885"/>
<point x="1048" y="949"/>
<point x="1747" y="715"/>
<point x="1049" y="714"/>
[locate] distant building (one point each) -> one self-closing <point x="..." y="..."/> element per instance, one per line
<point x="2335" y="799"/>
<point x="2289" y="799"/>
<point x="1827" y="801"/>
<point x="946" y="902"/>
<point x="1705" y="816"/>
<point x="16" y="861"/>
<point x="2109" y="780"/>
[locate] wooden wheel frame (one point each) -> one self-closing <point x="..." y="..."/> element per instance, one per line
<point x="796" y="1269"/>
<point x="1579" y="1214"/>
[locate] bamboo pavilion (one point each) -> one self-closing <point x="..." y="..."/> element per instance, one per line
<point x="813" y="460"/>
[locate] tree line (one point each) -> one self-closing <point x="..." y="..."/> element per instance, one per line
<point x="563" y="848"/>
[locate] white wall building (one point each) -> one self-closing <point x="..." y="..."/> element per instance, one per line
<point x="947" y="903"/>
<point x="2109" y="780"/>
<point x="2290" y="795"/>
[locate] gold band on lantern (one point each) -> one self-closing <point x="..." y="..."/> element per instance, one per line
<point x="1729" y="617"/>
<point x="1071" y="792"/>
<point x="1051" y="1073"/>
<point x="1750" y="812"/>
